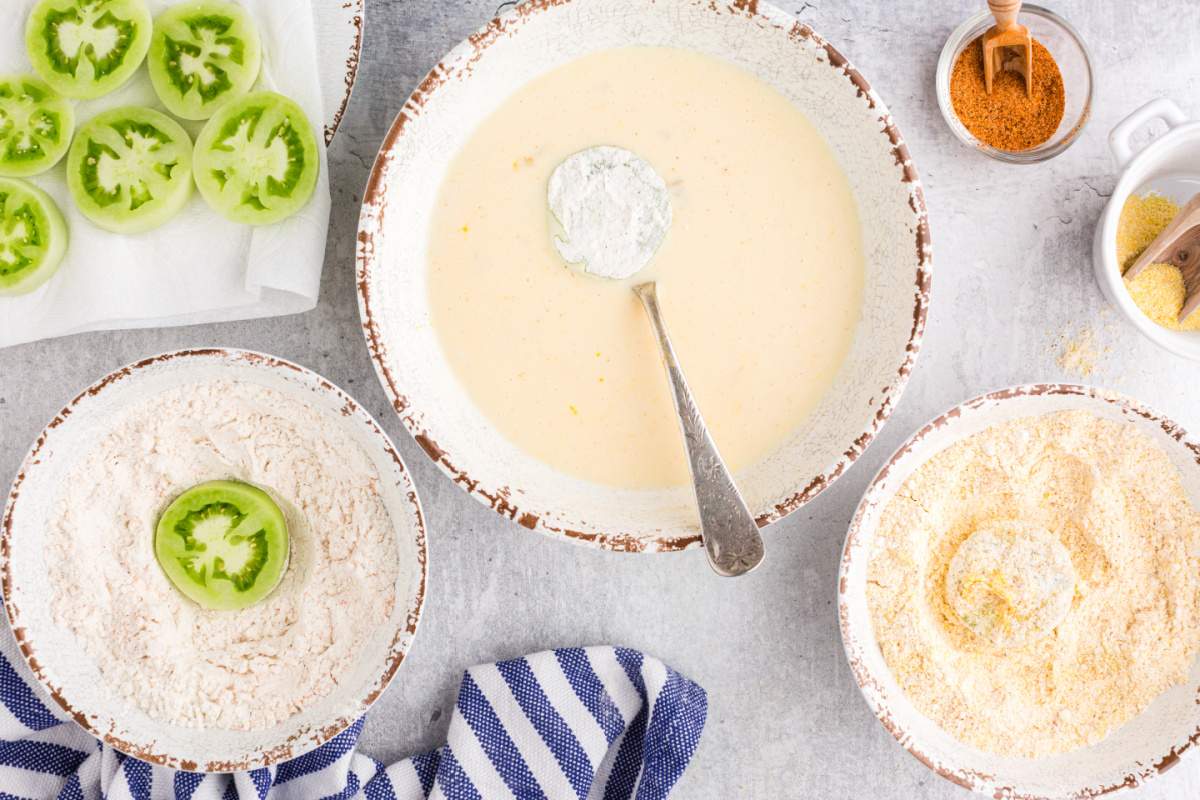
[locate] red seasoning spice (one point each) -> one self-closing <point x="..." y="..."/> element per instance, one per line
<point x="1008" y="118"/>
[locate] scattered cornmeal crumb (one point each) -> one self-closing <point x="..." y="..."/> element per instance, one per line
<point x="1158" y="289"/>
<point x="1035" y="586"/>
<point x="1079" y="355"/>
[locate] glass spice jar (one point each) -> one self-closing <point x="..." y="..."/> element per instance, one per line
<point x="1074" y="62"/>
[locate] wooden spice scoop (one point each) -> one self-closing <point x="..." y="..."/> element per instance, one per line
<point x="1178" y="244"/>
<point x="1001" y="39"/>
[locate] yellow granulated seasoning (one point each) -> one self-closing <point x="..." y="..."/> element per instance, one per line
<point x="1158" y="290"/>
<point x="1142" y="218"/>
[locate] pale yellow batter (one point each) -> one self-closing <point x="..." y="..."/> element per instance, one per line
<point x="760" y="276"/>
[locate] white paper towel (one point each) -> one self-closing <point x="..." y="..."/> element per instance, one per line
<point x="198" y="267"/>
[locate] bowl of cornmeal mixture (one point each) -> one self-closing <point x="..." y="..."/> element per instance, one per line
<point x="1019" y="595"/>
<point x="794" y="277"/>
<point x="155" y="673"/>
<point x="1156" y="181"/>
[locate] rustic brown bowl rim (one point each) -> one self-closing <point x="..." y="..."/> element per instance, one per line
<point x="353" y="60"/>
<point x="293" y="747"/>
<point x="501" y="499"/>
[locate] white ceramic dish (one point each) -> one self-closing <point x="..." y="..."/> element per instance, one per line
<point x="1170" y="165"/>
<point x="1135" y="753"/>
<point x="339" y="26"/>
<point x="471" y="82"/>
<point x="72" y="678"/>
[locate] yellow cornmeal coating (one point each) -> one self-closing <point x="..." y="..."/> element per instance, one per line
<point x="1142" y="218"/>
<point x="1010" y="582"/>
<point x="1116" y="502"/>
<point x="1158" y="290"/>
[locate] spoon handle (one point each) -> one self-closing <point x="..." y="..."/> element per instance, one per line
<point x="730" y="533"/>
<point x="1005" y="12"/>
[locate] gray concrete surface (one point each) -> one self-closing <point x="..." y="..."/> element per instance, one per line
<point x="1012" y="275"/>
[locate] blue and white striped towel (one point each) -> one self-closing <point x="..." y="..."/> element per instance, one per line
<point x="601" y="723"/>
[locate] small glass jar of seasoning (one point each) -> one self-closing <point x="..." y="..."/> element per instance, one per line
<point x="1008" y="124"/>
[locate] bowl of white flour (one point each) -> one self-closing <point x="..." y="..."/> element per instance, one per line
<point x="1019" y="595"/>
<point x="135" y="661"/>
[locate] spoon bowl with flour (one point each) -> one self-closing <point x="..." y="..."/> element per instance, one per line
<point x="615" y="211"/>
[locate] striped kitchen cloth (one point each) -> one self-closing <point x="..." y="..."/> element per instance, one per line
<point x="596" y="723"/>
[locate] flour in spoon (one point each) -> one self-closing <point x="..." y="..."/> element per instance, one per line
<point x="614" y="209"/>
<point x="234" y="670"/>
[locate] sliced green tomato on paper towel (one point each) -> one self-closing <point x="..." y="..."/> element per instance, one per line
<point x="202" y="55"/>
<point x="87" y="48"/>
<point x="130" y="169"/>
<point x="36" y="124"/>
<point x="223" y="544"/>
<point x="257" y="159"/>
<point x="33" y="237"/>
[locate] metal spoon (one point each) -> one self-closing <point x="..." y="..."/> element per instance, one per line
<point x="615" y="211"/>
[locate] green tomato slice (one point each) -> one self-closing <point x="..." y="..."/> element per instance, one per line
<point x="130" y="169"/>
<point x="35" y="126"/>
<point x="33" y="237"/>
<point x="87" y="48"/>
<point x="224" y="544"/>
<point x="257" y="159"/>
<point x="202" y="55"/>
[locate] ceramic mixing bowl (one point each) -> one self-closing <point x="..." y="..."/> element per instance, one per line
<point x="71" y="677"/>
<point x="468" y="85"/>
<point x="1138" y="751"/>
<point x="1170" y="165"/>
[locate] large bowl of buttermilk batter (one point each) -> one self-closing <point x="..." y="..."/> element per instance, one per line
<point x="1076" y="700"/>
<point x="135" y="661"/>
<point x="794" y="279"/>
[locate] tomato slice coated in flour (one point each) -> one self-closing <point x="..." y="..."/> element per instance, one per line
<point x="223" y="544"/>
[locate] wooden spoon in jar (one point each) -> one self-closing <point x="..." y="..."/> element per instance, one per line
<point x="1178" y="244"/>
<point x="1007" y="44"/>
